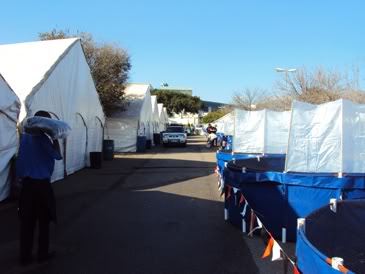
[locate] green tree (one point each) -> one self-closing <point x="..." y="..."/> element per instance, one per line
<point x="109" y="65"/>
<point x="178" y="102"/>
<point x="213" y="116"/>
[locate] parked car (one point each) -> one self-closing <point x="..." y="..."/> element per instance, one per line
<point x="174" y="135"/>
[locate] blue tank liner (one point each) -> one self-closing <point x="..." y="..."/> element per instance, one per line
<point x="327" y="234"/>
<point x="279" y="198"/>
<point x="224" y="156"/>
<point x="234" y="212"/>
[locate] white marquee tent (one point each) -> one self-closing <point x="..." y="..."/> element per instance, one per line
<point x="327" y="138"/>
<point x="54" y="76"/>
<point x="263" y="131"/>
<point x="155" y="115"/>
<point x="134" y="120"/>
<point x="9" y="112"/>
<point x="225" y="124"/>
<point x="166" y="116"/>
<point x="162" y="116"/>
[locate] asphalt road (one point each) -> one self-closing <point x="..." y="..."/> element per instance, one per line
<point x="158" y="212"/>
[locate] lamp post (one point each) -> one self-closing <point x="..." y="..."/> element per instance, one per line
<point x="286" y="71"/>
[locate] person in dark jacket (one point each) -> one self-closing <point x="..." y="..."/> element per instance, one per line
<point x="34" y="166"/>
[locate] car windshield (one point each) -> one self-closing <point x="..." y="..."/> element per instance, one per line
<point x="175" y="129"/>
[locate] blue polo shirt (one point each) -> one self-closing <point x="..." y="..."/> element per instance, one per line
<point x="36" y="157"/>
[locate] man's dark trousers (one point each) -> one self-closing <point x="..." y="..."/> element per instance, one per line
<point x="36" y="206"/>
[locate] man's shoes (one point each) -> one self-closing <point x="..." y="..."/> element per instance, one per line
<point x="25" y="262"/>
<point x="47" y="258"/>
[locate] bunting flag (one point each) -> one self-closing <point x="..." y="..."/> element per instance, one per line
<point x="221" y="187"/>
<point x="242" y="199"/>
<point x="272" y="247"/>
<point x="341" y="268"/>
<point x="295" y="270"/>
<point x="243" y="213"/>
<point x="229" y="188"/>
<point x="235" y="190"/>
<point x="276" y="252"/>
<point x="259" y="224"/>
<point x="268" y="248"/>
<point x="216" y="171"/>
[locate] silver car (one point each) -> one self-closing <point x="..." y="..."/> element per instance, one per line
<point x="174" y="135"/>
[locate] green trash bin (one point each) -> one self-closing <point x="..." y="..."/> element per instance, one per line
<point x="108" y="150"/>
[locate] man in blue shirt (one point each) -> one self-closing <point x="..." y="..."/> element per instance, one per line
<point x="35" y="165"/>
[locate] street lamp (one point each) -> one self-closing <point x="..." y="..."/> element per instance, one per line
<point x="286" y="71"/>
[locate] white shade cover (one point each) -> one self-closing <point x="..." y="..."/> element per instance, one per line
<point x="9" y="112"/>
<point x="225" y="124"/>
<point x="327" y="138"/>
<point x="263" y="131"/>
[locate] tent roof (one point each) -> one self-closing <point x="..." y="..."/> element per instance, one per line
<point x="27" y="65"/>
<point x="135" y="95"/>
<point x="9" y="102"/>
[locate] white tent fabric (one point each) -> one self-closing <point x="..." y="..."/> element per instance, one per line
<point x="9" y="112"/>
<point x="155" y="115"/>
<point x="263" y="131"/>
<point x="54" y="76"/>
<point x="327" y="138"/>
<point x="162" y="117"/>
<point x="134" y="120"/>
<point x="225" y="124"/>
<point x="166" y="116"/>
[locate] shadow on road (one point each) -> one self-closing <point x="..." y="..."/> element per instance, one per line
<point x="118" y="220"/>
<point x="151" y="232"/>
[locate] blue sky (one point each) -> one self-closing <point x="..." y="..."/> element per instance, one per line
<point x="215" y="47"/>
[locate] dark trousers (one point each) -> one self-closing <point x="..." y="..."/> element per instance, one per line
<point x="36" y="207"/>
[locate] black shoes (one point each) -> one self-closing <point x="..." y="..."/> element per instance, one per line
<point x="26" y="262"/>
<point x="47" y="258"/>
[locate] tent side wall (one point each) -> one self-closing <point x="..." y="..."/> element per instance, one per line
<point x="166" y="117"/>
<point x="162" y="124"/>
<point x="155" y="115"/>
<point x="9" y="112"/>
<point x="69" y="92"/>
<point x="146" y="116"/>
<point x="123" y="132"/>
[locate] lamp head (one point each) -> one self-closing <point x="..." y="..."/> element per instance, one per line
<point x="279" y="69"/>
